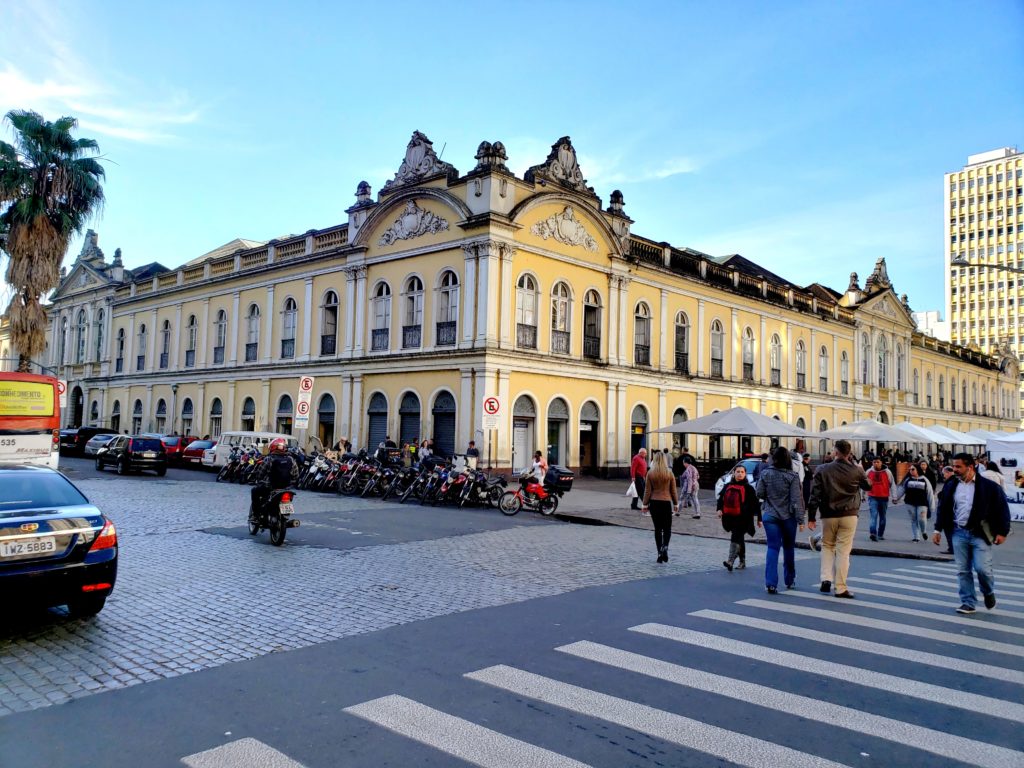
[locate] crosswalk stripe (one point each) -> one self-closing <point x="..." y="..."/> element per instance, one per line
<point x="962" y="621"/>
<point x="933" y="582"/>
<point x="453" y="735"/>
<point x="1002" y="581"/>
<point x="1013" y="573"/>
<point x="1016" y="580"/>
<point x="936" y="694"/>
<point x="889" y="729"/>
<point x="924" y="590"/>
<point x="867" y="646"/>
<point x="917" y="599"/>
<point x="977" y="643"/>
<point x="667" y="726"/>
<point x="243" y="753"/>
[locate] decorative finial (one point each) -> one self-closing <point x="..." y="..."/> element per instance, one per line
<point x="117" y="258"/>
<point x="617" y="202"/>
<point x="854" y="285"/>
<point x="363" y="193"/>
<point x="491" y="157"/>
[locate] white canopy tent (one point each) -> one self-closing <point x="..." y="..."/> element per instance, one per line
<point x="735" y="421"/>
<point x="1008" y="453"/>
<point x="919" y="434"/>
<point x="953" y="437"/>
<point x="868" y="429"/>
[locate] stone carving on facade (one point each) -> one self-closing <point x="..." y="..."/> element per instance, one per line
<point x="363" y="194"/>
<point x="565" y="228"/>
<point x="413" y="222"/>
<point x="420" y="162"/>
<point x="560" y="167"/>
<point x="879" y="278"/>
<point x="491" y="157"/>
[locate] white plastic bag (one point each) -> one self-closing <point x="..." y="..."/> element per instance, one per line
<point x="631" y="491"/>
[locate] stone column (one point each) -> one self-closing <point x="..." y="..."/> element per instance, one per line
<point x="357" y="412"/>
<point x="147" y="409"/>
<point x="503" y="450"/>
<point x="307" y="321"/>
<point x="790" y="348"/>
<point x="812" y="364"/>
<point x="228" y="419"/>
<point x="663" y="336"/>
<point x="471" y="295"/>
<point x="344" y="414"/>
<point x="624" y="425"/>
<point x="736" y="342"/>
<point x="624" y="325"/>
<point x="151" y="353"/>
<point x="199" y="411"/>
<point x="361" y="309"/>
<point x="664" y="440"/>
<point x="506" y="298"/>
<point x="129" y="347"/>
<point x="264" y="413"/>
<point x="203" y="338"/>
<point x="174" y="362"/>
<point x="763" y="345"/>
<point x="701" y="337"/>
<point x="268" y="345"/>
<point x="466" y="418"/>
<point x="233" y="331"/>
<point x="613" y="320"/>
<point x="349" y="312"/>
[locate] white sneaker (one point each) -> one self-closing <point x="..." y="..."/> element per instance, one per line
<point x="814" y="542"/>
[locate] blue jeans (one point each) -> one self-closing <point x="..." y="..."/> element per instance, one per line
<point x="781" y="534"/>
<point x="918" y="521"/>
<point x="971" y="552"/>
<point x="878" y="507"/>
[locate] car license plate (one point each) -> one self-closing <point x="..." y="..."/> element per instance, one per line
<point x="287" y="509"/>
<point x="40" y="545"/>
<point x="149" y="455"/>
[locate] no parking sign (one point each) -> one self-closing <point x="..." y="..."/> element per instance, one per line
<point x="303" y="401"/>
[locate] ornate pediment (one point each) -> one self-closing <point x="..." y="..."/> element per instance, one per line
<point x="561" y="167"/>
<point x="413" y="222"/>
<point x="565" y="228"/>
<point x="420" y="162"/>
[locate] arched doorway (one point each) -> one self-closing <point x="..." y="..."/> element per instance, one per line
<point x="409" y="419"/>
<point x="558" y="432"/>
<point x="679" y="438"/>
<point x="77" y="406"/>
<point x="249" y="415"/>
<point x="590" y="423"/>
<point x="216" y="418"/>
<point x="325" y="421"/>
<point x="137" y="417"/>
<point x="444" y="424"/>
<point x="882" y="417"/>
<point x="524" y="419"/>
<point x="822" y="443"/>
<point x="285" y="413"/>
<point x="376" y="421"/>
<point x="800" y="446"/>
<point x="638" y="430"/>
<point x="186" y="416"/>
<point x="115" y="416"/>
<point x="161" y="415"/>
<point x="94" y="414"/>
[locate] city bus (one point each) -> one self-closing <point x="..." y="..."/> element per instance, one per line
<point x="29" y="420"/>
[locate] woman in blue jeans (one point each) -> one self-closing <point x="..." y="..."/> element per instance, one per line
<point x="782" y="514"/>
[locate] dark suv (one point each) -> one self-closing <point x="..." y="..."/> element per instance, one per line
<point x="73" y="440"/>
<point x="133" y="454"/>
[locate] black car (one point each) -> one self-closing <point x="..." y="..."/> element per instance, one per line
<point x="55" y="547"/>
<point x="133" y="454"/>
<point x="72" y="441"/>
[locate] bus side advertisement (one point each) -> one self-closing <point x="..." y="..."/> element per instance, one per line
<point x="29" y="419"/>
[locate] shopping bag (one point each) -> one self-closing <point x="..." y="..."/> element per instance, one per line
<point x="631" y="491"/>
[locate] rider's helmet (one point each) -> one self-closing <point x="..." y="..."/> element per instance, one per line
<point x="278" y="445"/>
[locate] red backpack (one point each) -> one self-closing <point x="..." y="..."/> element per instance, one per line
<point x="732" y="499"/>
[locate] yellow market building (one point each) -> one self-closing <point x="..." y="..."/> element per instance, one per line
<point x="447" y="289"/>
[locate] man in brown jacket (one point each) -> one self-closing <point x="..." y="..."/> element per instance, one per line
<point x="835" y="492"/>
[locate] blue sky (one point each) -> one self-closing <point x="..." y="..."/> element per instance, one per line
<point x="809" y="136"/>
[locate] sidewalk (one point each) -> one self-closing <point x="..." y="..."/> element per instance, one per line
<point x="603" y="502"/>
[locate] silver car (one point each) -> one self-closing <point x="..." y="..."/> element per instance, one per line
<point x="97" y="442"/>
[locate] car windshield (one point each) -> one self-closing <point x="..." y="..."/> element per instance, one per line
<point x="169" y="441"/>
<point x="146" y="444"/>
<point x="102" y="438"/>
<point x="200" y="445"/>
<point x="37" y="490"/>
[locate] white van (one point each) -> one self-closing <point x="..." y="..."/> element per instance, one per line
<point x="229" y="440"/>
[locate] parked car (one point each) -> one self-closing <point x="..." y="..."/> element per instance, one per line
<point x="133" y="454"/>
<point x="98" y="442"/>
<point x="727" y="477"/>
<point x="55" y="547"/>
<point x="174" y="445"/>
<point x="210" y="457"/>
<point x="192" y="456"/>
<point x="73" y="441"/>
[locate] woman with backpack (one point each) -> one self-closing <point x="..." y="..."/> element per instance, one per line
<point x="739" y="508"/>
<point x="783" y="512"/>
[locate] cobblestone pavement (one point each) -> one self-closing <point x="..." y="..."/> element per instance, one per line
<point x="187" y="599"/>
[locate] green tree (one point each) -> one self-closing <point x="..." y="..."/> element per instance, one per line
<point x="50" y="185"/>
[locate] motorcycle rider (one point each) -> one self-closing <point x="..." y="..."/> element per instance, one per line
<point x="280" y="470"/>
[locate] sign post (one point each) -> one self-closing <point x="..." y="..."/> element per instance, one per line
<point x="302" y="405"/>
<point x="491" y="421"/>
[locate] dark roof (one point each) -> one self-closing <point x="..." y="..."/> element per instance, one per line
<point x="823" y="292"/>
<point x="146" y="271"/>
<point x="746" y="266"/>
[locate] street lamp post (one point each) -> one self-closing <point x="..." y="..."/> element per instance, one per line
<point x="965" y="263"/>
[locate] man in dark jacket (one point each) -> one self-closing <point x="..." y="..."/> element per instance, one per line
<point x="974" y="512"/>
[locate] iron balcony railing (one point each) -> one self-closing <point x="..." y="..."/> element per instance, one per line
<point x="328" y="344"/>
<point x="560" y="342"/>
<point x="412" y="336"/>
<point x="446" y="333"/>
<point x="776" y="377"/>
<point x="190" y="358"/>
<point x="642" y="354"/>
<point x="526" y="336"/>
<point x="380" y="338"/>
<point x="251" y="350"/>
<point x="287" y="348"/>
<point x="218" y="355"/>
<point x="683" y="363"/>
<point x="592" y="347"/>
<point x="716" y="368"/>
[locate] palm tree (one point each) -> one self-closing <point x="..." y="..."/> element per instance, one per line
<point x="50" y="185"/>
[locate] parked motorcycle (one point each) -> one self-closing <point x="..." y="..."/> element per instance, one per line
<point x="539" y="496"/>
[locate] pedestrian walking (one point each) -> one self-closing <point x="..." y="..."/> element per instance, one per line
<point x="739" y="509"/>
<point x="690" y="486"/>
<point x="835" y="494"/>
<point x="638" y="474"/>
<point x="661" y="499"/>
<point x="782" y="515"/>
<point x="813" y="536"/>
<point x="882" y="487"/>
<point x="974" y="510"/>
<point x="920" y="500"/>
<point x="947" y="475"/>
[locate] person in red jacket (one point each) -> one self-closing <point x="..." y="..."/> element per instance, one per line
<point x="883" y="486"/>
<point x="638" y="474"/>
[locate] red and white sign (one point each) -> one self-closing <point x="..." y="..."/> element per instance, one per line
<point x="306" y="384"/>
<point x="302" y="404"/>
<point x="62" y="391"/>
<point x="492" y="413"/>
<point x="302" y="409"/>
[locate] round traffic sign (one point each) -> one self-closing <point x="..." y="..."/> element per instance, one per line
<point x="302" y="408"/>
<point x="306" y="384"/>
<point x="62" y="386"/>
<point x="491" y="406"/>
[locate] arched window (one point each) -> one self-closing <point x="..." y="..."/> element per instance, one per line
<point x="822" y="444"/>
<point x="942" y="392"/>
<point x="186" y="416"/>
<point x="289" y="320"/>
<point x="682" y="344"/>
<point x="717" y="349"/>
<point x="115" y="416"/>
<point x="381" y="318"/>
<point x="447" y="310"/>
<point x="638" y="429"/>
<point x="62" y="341"/>
<point x="561" y="318"/>
<point x="526" y="313"/>
<point x="137" y="417"/>
<point x="901" y="362"/>
<point x="325" y="421"/>
<point x="165" y="344"/>
<point x="216" y="417"/>
<point x="161" y="415"/>
<point x="928" y="389"/>
<point x="642" y="334"/>
<point x="252" y="341"/>
<point x="844" y="373"/>
<point x="100" y="322"/>
<point x="285" y="411"/>
<point x="81" y="331"/>
<point x="94" y="413"/>
<point x="964" y="399"/>
<point x="191" y="336"/>
<point x="220" y="336"/>
<point x="443" y="414"/>
<point x="775" y="360"/>
<point x="865" y="359"/>
<point x="748" y="354"/>
<point x="823" y="369"/>
<point x="248" y="420"/>
<point x="592" y="325"/>
<point x="409" y="420"/>
<point x="119" y="351"/>
<point x="801" y="424"/>
<point x="140" y="356"/>
<point x="984" y="401"/>
<point x="952" y="394"/>
<point x="329" y="324"/>
<point x="678" y="417"/>
<point x="883" y="362"/>
<point x="801" y="365"/>
<point x="916" y="387"/>
<point x="412" y="319"/>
